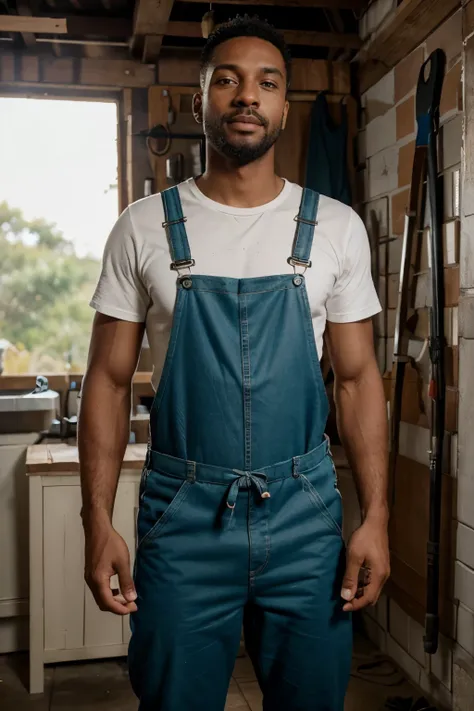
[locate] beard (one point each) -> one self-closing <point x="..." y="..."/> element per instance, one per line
<point x="238" y="149"/>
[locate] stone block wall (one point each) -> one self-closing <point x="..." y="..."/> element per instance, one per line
<point x="386" y="146"/>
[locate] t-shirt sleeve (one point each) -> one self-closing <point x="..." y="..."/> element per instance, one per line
<point x="354" y="296"/>
<point x="120" y="292"/>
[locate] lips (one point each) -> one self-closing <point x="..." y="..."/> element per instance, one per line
<point x="245" y="119"/>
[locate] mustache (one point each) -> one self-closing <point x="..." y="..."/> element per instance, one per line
<point x="241" y="112"/>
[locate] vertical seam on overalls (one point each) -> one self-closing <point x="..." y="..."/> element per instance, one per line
<point x="246" y="384"/>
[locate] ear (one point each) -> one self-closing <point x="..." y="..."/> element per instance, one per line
<point x="197" y="107"/>
<point x="285" y="114"/>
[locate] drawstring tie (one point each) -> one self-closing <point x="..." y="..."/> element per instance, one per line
<point x="256" y="480"/>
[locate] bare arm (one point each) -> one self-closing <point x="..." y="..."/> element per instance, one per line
<point x="362" y="425"/>
<point x="102" y="439"/>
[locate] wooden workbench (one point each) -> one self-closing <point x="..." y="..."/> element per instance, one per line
<point x="62" y="458"/>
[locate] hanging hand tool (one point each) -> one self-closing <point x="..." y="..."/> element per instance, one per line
<point x="438" y="378"/>
<point x="425" y="167"/>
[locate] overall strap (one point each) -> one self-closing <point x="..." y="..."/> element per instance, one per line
<point x="306" y="221"/>
<point x="176" y="231"/>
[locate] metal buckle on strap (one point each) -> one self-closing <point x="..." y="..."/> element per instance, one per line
<point x="169" y="223"/>
<point x="313" y="223"/>
<point x="299" y="263"/>
<point x="182" y="264"/>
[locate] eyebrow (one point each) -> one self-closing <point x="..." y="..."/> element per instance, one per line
<point x="235" y="68"/>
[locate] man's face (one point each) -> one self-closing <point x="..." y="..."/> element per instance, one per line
<point x="243" y="104"/>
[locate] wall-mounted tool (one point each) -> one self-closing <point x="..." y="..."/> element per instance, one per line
<point x="162" y="132"/>
<point x="425" y="166"/>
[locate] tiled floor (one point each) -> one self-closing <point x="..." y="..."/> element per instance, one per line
<point x="104" y="686"/>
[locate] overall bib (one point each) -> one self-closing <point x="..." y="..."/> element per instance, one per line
<point x="240" y="516"/>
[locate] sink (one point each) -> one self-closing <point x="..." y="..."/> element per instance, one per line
<point x="23" y="411"/>
<point x="25" y="400"/>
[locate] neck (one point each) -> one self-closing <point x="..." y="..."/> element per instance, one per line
<point x="250" y="185"/>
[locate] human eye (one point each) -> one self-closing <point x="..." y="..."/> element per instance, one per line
<point x="225" y="81"/>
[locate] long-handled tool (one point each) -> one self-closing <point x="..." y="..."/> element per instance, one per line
<point x="425" y="167"/>
<point x="438" y="377"/>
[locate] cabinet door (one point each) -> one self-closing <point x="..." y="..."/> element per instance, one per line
<point x="13" y="531"/>
<point x="72" y="618"/>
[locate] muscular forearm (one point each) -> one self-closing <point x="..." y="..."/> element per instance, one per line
<point x="102" y="439"/>
<point x="362" y="425"/>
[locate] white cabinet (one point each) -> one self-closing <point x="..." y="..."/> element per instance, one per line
<point x="65" y="622"/>
<point x="13" y="542"/>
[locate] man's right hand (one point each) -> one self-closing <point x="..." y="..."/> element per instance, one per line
<point x="106" y="554"/>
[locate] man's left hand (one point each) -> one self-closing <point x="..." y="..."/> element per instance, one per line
<point x="368" y="548"/>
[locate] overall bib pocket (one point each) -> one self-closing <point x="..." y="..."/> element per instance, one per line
<point x="161" y="497"/>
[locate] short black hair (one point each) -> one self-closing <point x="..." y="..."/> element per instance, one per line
<point x="246" y="26"/>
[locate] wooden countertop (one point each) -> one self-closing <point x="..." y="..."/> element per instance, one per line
<point x="59" y="381"/>
<point x="63" y="458"/>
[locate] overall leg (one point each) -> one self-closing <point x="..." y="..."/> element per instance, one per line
<point x="191" y="582"/>
<point x="297" y="635"/>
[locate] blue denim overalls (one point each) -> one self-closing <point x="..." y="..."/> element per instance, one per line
<point x="240" y="517"/>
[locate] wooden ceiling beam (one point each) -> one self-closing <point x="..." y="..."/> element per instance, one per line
<point x="294" y="37"/>
<point x="150" y="15"/>
<point x="39" y="25"/>
<point x="24" y="9"/>
<point x="150" y="18"/>
<point x="333" y="4"/>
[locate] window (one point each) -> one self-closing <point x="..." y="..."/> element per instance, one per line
<point x="58" y="202"/>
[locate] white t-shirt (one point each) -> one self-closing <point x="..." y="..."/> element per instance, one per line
<point x="136" y="283"/>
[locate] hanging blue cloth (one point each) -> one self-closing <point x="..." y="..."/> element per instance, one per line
<point x="326" y="166"/>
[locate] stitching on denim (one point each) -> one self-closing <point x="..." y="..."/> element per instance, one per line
<point x="168" y="514"/>
<point x="245" y="293"/>
<point x="250" y="387"/>
<point x="316" y="497"/>
<point x="268" y="546"/>
<point x="313" y="467"/>
<point x="246" y="392"/>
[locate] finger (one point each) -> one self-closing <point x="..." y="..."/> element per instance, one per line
<point x="106" y="600"/>
<point x="131" y="606"/>
<point x="351" y="577"/>
<point x="127" y="588"/>
<point x="370" y="596"/>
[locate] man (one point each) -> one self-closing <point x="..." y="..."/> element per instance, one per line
<point x="240" y="516"/>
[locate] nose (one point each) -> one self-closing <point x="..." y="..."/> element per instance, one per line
<point x="247" y="95"/>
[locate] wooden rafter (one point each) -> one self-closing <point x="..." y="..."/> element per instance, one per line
<point x="336" y="24"/>
<point x="150" y="39"/>
<point x="333" y="4"/>
<point x="24" y="9"/>
<point x="293" y="37"/>
<point x="149" y="20"/>
<point x="39" y="25"/>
